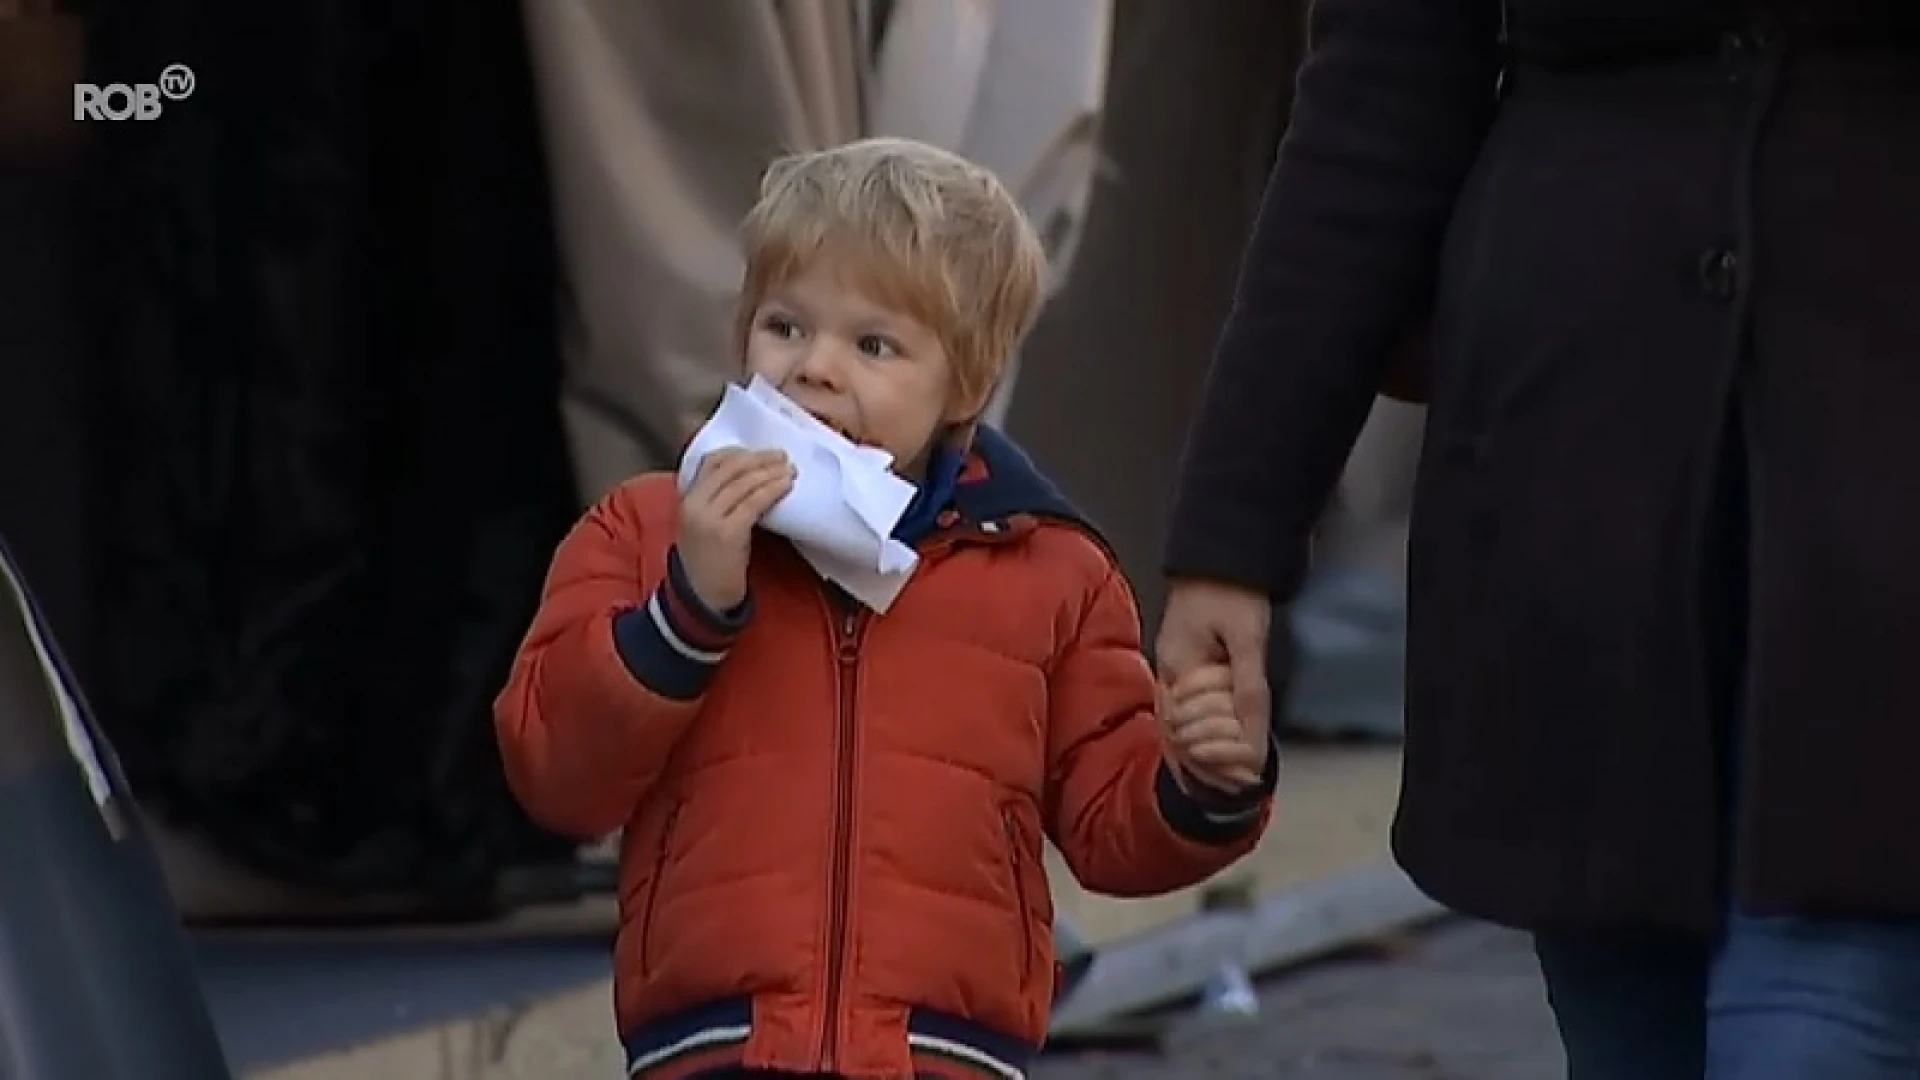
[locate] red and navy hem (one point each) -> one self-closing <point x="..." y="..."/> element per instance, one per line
<point x="711" y="1040"/>
<point x="672" y="643"/>
<point x="1207" y="816"/>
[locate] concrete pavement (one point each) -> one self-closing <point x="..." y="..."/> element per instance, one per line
<point x="1331" y="816"/>
<point x="1461" y="1003"/>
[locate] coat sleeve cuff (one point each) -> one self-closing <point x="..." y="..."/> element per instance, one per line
<point x="673" y="643"/>
<point x="1215" y="817"/>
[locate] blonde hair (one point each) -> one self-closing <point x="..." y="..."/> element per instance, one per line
<point x="924" y="231"/>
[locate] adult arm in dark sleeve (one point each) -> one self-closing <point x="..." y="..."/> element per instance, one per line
<point x="1390" y="108"/>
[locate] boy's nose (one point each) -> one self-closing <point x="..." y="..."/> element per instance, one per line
<point x="821" y="366"/>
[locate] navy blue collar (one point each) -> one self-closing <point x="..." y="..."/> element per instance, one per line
<point x="934" y="496"/>
<point x="1001" y="483"/>
<point x="1006" y="483"/>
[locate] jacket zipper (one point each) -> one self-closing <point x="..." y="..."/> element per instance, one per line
<point x="847" y="642"/>
<point x="1019" y="895"/>
<point x="653" y="889"/>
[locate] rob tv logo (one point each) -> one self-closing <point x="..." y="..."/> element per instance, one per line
<point x="135" y="101"/>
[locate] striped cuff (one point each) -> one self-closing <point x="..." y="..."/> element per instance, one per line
<point x="673" y="642"/>
<point x="1214" y="817"/>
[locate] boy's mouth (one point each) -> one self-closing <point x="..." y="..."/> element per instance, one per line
<point x="839" y="429"/>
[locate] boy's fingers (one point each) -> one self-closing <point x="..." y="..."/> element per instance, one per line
<point x="762" y="497"/>
<point x="1221" y="755"/>
<point x="1225" y="781"/>
<point x="1218" y="752"/>
<point x="722" y="466"/>
<point x="1240" y="778"/>
<point x="749" y="497"/>
<point x="1209" y="704"/>
<point x="718" y="465"/>
<point x="736" y="495"/>
<point x="1214" y="727"/>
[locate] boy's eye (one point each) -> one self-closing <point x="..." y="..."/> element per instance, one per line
<point x="780" y="326"/>
<point x="875" y="345"/>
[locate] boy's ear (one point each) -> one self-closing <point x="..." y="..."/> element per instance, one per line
<point x="966" y="407"/>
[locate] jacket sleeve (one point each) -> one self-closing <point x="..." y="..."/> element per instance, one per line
<point x="610" y="674"/>
<point x="1114" y="809"/>
<point x="1390" y="108"/>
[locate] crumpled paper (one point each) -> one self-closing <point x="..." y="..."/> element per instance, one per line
<point x="845" y="501"/>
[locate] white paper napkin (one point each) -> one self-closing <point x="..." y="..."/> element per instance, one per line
<point x="845" y="500"/>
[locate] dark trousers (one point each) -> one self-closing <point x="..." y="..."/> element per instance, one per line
<point x="1772" y="999"/>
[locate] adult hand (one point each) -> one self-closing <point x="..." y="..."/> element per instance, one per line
<point x="731" y="491"/>
<point x="1208" y="623"/>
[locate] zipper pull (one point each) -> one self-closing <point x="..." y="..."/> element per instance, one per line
<point x="1016" y="841"/>
<point x="849" y="637"/>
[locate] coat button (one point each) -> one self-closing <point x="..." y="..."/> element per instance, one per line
<point x="1740" y="50"/>
<point x="1720" y="273"/>
<point x="1733" y="49"/>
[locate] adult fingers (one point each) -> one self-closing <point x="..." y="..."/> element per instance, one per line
<point x="1187" y="638"/>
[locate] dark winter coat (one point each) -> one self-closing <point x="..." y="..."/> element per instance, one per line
<point x="1677" y="263"/>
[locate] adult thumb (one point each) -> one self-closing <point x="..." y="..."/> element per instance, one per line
<point x="1247" y="666"/>
<point x="1182" y="642"/>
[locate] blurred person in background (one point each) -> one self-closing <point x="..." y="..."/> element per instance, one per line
<point x="1662" y="583"/>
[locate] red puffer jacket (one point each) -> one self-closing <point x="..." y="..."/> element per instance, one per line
<point x="834" y="821"/>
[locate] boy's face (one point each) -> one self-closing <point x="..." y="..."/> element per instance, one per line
<point x="872" y="373"/>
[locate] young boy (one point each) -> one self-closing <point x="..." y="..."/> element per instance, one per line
<point x="833" y="820"/>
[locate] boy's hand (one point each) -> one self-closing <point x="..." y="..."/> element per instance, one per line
<point x="1206" y="738"/>
<point x="731" y="491"/>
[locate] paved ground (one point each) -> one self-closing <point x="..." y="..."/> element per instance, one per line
<point x="1340" y="802"/>
<point x="1462" y="1003"/>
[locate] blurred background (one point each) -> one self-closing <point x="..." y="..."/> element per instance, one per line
<point x="307" y="374"/>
